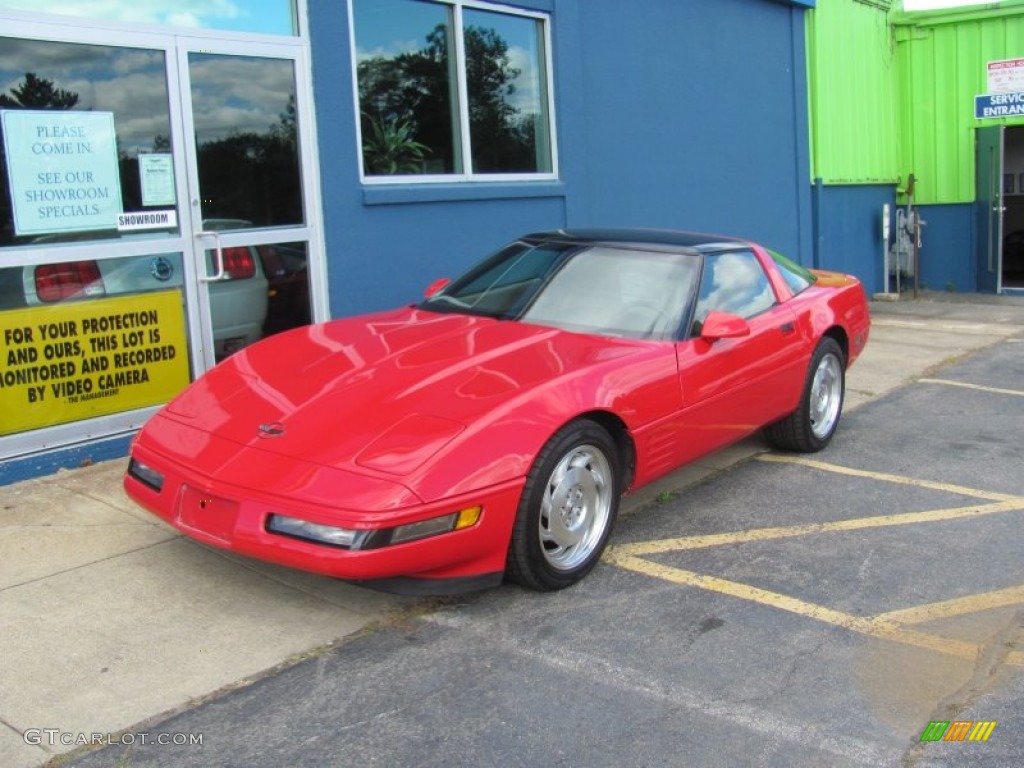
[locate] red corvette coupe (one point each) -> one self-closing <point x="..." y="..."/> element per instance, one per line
<point x="489" y="431"/>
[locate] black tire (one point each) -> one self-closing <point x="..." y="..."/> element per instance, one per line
<point x="811" y="426"/>
<point x="567" y="509"/>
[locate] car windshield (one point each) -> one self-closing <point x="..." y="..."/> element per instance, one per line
<point x="593" y="288"/>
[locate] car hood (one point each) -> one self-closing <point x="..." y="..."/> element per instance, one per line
<point x="385" y="393"/>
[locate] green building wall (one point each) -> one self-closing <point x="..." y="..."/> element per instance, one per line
<point x="941" y="60"/>
<point x="853" y="103"/>
<point x="891" y="94"/>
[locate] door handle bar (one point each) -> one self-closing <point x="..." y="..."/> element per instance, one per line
<point x="218" y="258"/>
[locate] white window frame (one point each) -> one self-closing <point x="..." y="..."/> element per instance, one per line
<point x="462" y="89"/>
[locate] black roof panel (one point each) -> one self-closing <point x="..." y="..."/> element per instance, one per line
<point x="639" y="236"/>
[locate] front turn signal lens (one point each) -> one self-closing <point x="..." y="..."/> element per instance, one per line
<point x="468" y="518"/>
<point x="456" y="521"/>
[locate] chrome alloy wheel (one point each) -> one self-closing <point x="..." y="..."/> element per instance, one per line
<point x="576" y="507"/>
<point x="826" y="396"/>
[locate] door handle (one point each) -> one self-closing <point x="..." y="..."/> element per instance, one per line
<point x="218" y="258"/>
<point x="787" y="328"/>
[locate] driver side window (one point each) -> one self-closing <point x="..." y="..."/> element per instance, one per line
<point x="733" y="282"/>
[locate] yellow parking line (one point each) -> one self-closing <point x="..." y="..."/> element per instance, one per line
<point x="888" y="626"/>
<point x="855" y="524"/>
<point x="877" y="627"/>
<point x="965" y="385"/>
<point x="897" y="479"/>
<point x="958" y="606"/>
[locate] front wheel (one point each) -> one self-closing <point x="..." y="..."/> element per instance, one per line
<point x="567" y="510"/>
<point x="811" y="426"/>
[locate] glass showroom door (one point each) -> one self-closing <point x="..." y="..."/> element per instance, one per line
<point x="248" y="206"/>
<point x="155" y="217"/>
<point x="94" y="299"/>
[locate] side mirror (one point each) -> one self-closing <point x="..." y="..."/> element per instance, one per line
<point x="436" y="287"/>
<point x="721" y="325"/>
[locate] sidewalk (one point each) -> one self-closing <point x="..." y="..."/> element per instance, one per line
<point x="109" y="618"/>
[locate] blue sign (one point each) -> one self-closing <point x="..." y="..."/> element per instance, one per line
<point x="992" y="106"/>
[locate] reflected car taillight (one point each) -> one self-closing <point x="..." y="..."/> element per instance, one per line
<point x="238" y="263"/>
<point x="73" y="279"/>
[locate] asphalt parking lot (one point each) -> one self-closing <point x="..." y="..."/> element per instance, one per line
<point x="788" y="610"/>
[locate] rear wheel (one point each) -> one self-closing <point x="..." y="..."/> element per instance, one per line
<point x="567" y="510"/>
<point x="811" y="426"/>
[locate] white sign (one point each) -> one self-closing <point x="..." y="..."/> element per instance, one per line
<point x="63" y="170"/>
<point x="1006" y="76"/>
<point x="134" y="221"/>
<point x="156" y="176"/>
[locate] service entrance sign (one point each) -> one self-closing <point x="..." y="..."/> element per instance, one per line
<point x="63" y="171"/>
<point x="995" y="105"/>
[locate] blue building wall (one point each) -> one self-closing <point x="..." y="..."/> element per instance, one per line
<point x="848" y="238"/>
<point x="949" y="249"/>
<point x="696" y="119"/>
<point x="687" y="114"/>
<point x="848" y="230"/>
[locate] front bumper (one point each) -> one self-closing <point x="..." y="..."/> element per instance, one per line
<point x="233" y="516"/>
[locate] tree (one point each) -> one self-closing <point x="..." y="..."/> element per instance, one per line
<point x="34" y="92"/>
<point x="406" y="108"/>
<point x="38" y="93"/>
<point x="490" y="79"/>
<point x="406" y="113"/>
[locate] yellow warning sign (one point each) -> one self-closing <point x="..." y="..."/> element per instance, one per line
<point x="79" y="360"/>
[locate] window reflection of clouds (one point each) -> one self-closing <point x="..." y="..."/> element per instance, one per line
<point x="129" y="82"/>
<point x="528" y="88"/>
<point x="393" y="49"/>
<point x="389" y="28"/>
<point x="236" y="94"/>
<point x="265" y="16"/>
<point x="739" y="285"/>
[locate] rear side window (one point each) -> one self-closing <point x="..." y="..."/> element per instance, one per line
<point x="798" y="278"/>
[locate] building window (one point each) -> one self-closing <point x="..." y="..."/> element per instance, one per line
<point x="450" y="89"/>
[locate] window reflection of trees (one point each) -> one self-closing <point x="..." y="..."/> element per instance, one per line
<point x="33" y="92"/>
<point x="406" y="110"/>
<point x="503" y="138"/>
<point x="249" y="175"/>
<point x="129" y="82"/>
<point x="409" y="125"/>
<point x="252" y="175"/>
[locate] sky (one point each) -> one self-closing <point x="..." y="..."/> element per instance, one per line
<point x="923" y="5"/>
<point x="268" y="16"/>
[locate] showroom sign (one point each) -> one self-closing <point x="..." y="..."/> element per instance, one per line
<point x="63" y="170"/>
